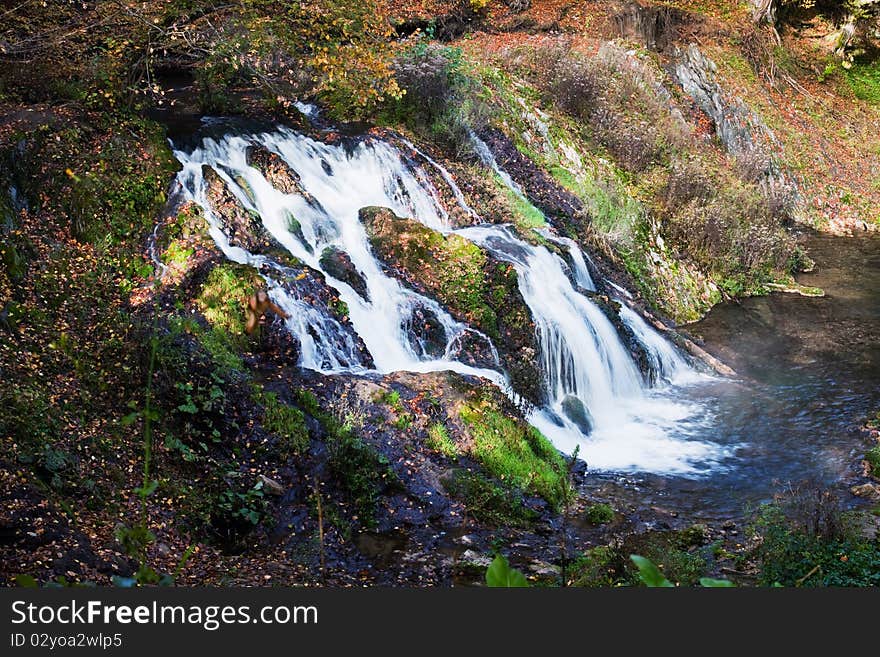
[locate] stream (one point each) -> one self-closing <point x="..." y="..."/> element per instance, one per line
<point x="808" y="376"/>
<point x="699" y="445"/>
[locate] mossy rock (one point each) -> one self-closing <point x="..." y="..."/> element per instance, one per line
<point x="469" y="282"/>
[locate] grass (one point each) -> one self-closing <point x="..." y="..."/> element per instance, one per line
<point x="526" y="215"/>
<point x="487" y="501"/>
<point x="286" y="422"/>
<point x="439" y="441"/>
<point x="864" y="79"/>
<point x="599" y="514"/>
<point x="515" y="453"/>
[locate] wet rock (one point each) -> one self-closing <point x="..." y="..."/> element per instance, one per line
<point x="338" y="264"/>
<point x="575" y="411"/>
<point x="427" y="332"/>
<point x="310" y="287"/>
<point x="634" y="346"/>
<point x="562" y="208"/>
<point x="868" y="491"/>
<point x="243" y="227"/>
<point x="271" y="486"/>
<point x="275" y="170"/>
<point x="476" y="559"/>
<point x="471" y="284"/>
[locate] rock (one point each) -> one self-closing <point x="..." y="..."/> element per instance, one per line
<point x="271" y="486"/>
<point x="743" y="133"/>
<point x="868" y="491"/>
<point x="243" y="227"/>
<point x="338" y="264"/>
<point x="575" y="411"/>
<point x="275" y="170"/>
<point x="427" y="332"/>
<point x="656" y="27"/>
<point x="476" y="559"/>
<point x="474" y="286"/>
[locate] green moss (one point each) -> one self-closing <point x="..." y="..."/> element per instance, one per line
<point x="177" y="253"/>
<point x="455" y="270"/>
<point x="599" y="514"/>
<point x="359" y="469"/>
<point x="286" y="422"/>
<point x="515" y="452"/>
<point x="223" y="294"/>
<point x="872" y="456"/>
<point x="487" y="501"/>
<point x="596" y="567"/>
<point x="864" y="79"/>
<point x="526" y="216"/>
<point x="439" y="440"/>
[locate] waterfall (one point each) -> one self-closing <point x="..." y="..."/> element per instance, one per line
<point x="597" y="398"/>
<point x="339" y="184"/>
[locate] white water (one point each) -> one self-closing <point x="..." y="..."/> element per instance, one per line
<point x="633" y="427"/>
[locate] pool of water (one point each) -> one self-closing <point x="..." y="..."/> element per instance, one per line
<point x="808" y="370"/>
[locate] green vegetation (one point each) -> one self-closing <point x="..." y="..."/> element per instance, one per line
<point x="872" y="456"/>
<point x="487" y="501"/>
<point x="809" y="543"/>
<point x="864" y="78"/>
<point x="599" y="514"/>
<point x="286" y="422"/>
<point x="439" y="440"/>
<point x="681" y="555"/>
<point x="500" y="574"/>
<point x="515" y="452"/>
<point x="526" y="215"/>
<point x="361" y="471"/>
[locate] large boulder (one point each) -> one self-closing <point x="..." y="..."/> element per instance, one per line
<point x="470" y="283"/>
<point x="338" y="264"/>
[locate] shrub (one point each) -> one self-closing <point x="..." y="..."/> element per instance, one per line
<point x="807" y="539"/>
<point x="813" y="553"/>
<point x="619" y="98"/>
<point x="443" y="99"/>
<point x="599" y="514"/>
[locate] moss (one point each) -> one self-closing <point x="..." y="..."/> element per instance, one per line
<point x="357" y="467"/>
<point x="286" y="422"/>
<point x="439" y="441"/>
<point x="487" y="501"/>
<point x="526" y="216"/>
<point x="222" y="296"/>
<point x="872" y="456"/>
<point x="599" y="514"/>
<point x="472" y="285"/>
<point x="864" y="79"/>
<point x="515" y="452"/>
<point x="595" y="568"/>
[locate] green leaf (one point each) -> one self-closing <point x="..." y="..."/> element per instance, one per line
<point x="649" y="573"/>
<point x="25" y="581"/>
<point x="130" y="418"/>
<point x="149" y="489"/>
<point x="711" y="583"/>
<point x="500" y="574"/>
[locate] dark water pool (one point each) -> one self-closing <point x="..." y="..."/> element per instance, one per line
<point x="809" y="374"/>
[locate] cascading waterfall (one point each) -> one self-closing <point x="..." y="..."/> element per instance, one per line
<point x="598" y="400"/>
